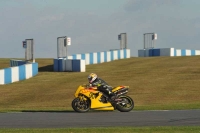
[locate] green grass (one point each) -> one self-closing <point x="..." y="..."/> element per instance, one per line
<point x="191" y="129"/>
<point x="156" y="83"/>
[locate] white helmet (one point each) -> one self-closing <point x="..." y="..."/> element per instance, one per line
<point x="92" y="77"/>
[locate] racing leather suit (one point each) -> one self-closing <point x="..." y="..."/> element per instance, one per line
<point x="103" y="87"/>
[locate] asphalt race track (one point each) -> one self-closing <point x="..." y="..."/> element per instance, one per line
<point x="99" y="119"/>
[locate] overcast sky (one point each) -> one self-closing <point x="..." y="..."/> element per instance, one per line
<point x="94" y="25"/>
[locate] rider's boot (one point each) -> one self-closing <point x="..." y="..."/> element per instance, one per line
<point x="112" y="96"/>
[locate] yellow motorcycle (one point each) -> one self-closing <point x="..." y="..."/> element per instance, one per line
<point x="87" y="98"/>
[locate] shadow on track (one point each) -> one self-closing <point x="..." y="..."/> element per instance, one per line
<point x="49" y="111"/>
<point x="62" y="111"/>
<point x="48" y="68"/>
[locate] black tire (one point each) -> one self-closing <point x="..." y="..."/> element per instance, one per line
<point x="81" y="106"/>
<point x="126" y="106"/>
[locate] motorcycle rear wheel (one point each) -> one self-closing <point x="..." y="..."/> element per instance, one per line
<point x="81" y="106"/>
<point x="125" y="106"/>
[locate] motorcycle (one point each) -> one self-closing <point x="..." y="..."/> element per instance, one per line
<point x="87" y="98"/>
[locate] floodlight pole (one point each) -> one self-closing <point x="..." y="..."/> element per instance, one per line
<point x="28" y="44"/>
<point x="123" y="40"/>
<point x="62" y="46"/>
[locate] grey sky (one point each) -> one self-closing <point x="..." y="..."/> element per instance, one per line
<point x="94" y="25"/>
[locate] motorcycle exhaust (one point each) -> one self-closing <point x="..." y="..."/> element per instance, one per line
<point x="121" y="93"/>
<point x="121" y="90"/>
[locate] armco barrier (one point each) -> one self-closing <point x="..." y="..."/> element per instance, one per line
<point x="63" y="64"/>
<point x="17" y="73"/>
<point x="167" y="52"/>
<point x="100" y="57"/>
<point x="78" y="62"/>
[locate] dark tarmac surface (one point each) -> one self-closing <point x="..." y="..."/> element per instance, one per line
<point x="99" y="119"/>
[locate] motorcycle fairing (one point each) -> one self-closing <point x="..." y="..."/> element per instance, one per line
<point x="94" y="95"/>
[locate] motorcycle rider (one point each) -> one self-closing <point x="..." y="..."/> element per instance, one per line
<point x="101" y="85"/>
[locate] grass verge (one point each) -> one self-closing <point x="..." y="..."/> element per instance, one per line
<point x="189" y="129"/>
<point x="156" y="83"/>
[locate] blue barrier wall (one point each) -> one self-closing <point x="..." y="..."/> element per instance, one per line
<point x="17" y="73"/>
<point x="78" y="62"/>
<point x="55" y="66"/>
<point x="16" y="63"/>
<point x="100" y="57"/>
<point x="167" y="52"/>
<point x="63" y="64"/>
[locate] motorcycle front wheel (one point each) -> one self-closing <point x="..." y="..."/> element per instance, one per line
<point x="126" y="105"/>
<point x="81" y="106"/>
